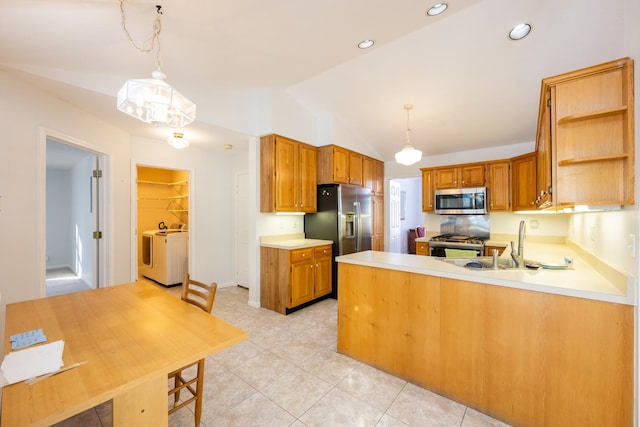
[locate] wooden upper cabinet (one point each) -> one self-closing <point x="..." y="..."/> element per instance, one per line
<point x="544" y="190"/>
<point x="498" y="184"/>
<point x="355" y="168"/>
<point x="288" y="175"/>
<point x="592" y="134"/>
<point x="373" y="173"/>
<point x="523" y="181"/>
<point x="428" y="204"/>
<point x="459" y="176"/>
<point x="446" y="178"/>
<point x="308" y="156"/>
<point x="379" y="173"/>
<point x="337" y="165"/>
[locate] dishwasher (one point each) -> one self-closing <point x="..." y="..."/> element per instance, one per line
<point x="165" y="256"/>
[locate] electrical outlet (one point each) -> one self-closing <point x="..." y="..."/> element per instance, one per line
<point x="632" y="245"/>
<point x="294" y="224"/>
<point x="592" y="233"/>
<point x="534" y="224"/>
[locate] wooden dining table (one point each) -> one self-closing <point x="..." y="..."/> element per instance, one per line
<point x="131" y="336"/>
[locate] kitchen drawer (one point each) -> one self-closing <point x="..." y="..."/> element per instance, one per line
<point x="322" y="252"/>
<point x="298" y="255"/>
<point x="422" y="248"/>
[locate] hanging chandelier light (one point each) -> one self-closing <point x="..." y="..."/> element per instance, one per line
<point x="153" y="100"/>
<point x="408" y="155"/>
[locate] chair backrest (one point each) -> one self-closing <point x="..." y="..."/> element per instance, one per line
<point x="198" y="293"/>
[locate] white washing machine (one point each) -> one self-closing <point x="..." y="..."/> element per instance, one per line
<point x="165" y="256"/>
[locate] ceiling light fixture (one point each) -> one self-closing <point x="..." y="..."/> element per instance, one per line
<point x="437" y="9"/>
<point x="408" y="155"/>
<point x="152" y="100"/>
<point x="520" y="31"/>
<point x="178" y="141"/>
<point x="366" y="44"/>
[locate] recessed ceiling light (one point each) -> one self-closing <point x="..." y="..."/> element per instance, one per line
<point x="520" y="31"/>
<point x="437" y="9"/>
<point x="365" y="44"/>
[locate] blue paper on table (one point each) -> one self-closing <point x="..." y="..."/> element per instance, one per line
<point x="26" y="339"/>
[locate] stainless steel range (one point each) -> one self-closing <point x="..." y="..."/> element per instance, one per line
<point x="460" y="232"/>
<point x="438" y="244"/>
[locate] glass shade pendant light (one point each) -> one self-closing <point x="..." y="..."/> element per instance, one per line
<point x="153" y="100"/>
<point x="408" y="155"/>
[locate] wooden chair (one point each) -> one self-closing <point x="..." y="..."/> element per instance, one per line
<point x="201" y="296"/>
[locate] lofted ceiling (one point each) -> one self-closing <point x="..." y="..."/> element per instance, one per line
<point x="470" y="85"/>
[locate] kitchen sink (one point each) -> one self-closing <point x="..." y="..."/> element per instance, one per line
<point x="486" y="263"/>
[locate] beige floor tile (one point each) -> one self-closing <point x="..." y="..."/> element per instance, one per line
<point x="237" y="354"/>
<point x="372" y="385"/>
<point x="296" y="391"/>
<point x="262" y="370"/>
<point x="330" y="366"/>
<point x="419" y="407"/>
<point x="222" y="392"/>
<point x="256" y="411"/>
<point x="473" y="418"/>
<point x="339" y="409"/>
<point x="388" y="421"/>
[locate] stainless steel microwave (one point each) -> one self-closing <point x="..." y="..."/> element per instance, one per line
<point x="461" y="201"/>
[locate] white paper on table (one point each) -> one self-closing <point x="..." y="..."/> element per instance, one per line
<point x="39" y="360"/>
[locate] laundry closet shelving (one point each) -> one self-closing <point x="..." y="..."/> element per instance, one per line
<point x="163" y="196"/>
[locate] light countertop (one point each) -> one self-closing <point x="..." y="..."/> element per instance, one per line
<point x="585" y="280"/>
<point x="291" y="241"/>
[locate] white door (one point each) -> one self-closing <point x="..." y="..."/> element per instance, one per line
<point x="242" y="229"/>
<point x="395" y="242"/>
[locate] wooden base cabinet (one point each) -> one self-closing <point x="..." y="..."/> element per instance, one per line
<point x="526" y="358"/>
<point x="291" y="278"/>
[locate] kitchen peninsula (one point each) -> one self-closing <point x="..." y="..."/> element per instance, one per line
<point x="528" y="347"/>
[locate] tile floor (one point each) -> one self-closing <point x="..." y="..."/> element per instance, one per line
<point x="288" y="373"/>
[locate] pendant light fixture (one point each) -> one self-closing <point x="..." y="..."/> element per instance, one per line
<point x="153" y="100"/>
<point x="408" y="155"/>
<point x="178" y="141"/>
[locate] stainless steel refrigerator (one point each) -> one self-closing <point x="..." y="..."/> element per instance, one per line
<point x="344" y="216"/>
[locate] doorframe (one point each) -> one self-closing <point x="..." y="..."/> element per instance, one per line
<point x="105" y="270"/>
<point x="134" y="271"/>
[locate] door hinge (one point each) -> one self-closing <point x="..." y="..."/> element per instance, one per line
<point x="97" y="173"/>
<point x="549" y="102"/>
<point x="97" y="235"/>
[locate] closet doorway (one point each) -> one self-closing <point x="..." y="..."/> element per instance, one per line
<point x="162" y="224"/>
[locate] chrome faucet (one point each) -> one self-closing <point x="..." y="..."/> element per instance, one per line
<point x="518" y="256"/>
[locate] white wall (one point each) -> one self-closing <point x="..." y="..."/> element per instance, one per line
<point x="59" y="245"/>
<point x="211" y="207"/>
<point x="24" y="111"/>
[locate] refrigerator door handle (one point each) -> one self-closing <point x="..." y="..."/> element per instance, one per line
<point x="358" y="225"/>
